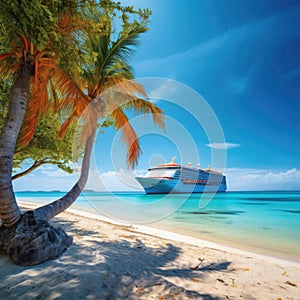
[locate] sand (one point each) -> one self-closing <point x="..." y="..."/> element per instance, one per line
<point x="112" y="261"/>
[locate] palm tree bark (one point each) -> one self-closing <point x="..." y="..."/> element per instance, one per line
<point x="20" y="93"/>
<point x="50" y="210"/>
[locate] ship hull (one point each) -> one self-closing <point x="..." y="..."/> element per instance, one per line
<point x="177" y="186"/>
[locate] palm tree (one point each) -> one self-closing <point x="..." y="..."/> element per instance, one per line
<point x="40" y="76"/>
<point x="9" y="211"/>
<point x="32" y="71"/>
<point x="110" y="87"/>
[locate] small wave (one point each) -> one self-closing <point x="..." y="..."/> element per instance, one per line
<point x="215" y="212"/>
<point x="292" y="211"/>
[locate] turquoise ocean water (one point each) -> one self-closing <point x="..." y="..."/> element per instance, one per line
<point x="264" y="222"/>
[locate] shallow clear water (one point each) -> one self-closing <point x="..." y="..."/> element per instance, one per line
<point x="266" y="222"/>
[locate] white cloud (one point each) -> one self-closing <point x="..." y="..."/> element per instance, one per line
<point x="222" y="146"/>
<point x="114" y="180"/>
<point x="42" y="181"/>
<point x="53" y="172"/>
<point x="239" y="179"/>
<point x="49" y="179"/>
<point x="164" y="91"/>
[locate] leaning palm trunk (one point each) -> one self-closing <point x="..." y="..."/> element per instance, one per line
<point x="50" y="210"/>
<point x="20" y="92"/>
<point x="32" y="239"/>
<point x="24" y="240"/>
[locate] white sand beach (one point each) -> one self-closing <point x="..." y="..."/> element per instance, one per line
<point x="113" y="261"/>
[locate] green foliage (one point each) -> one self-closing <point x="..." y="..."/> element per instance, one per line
<point x="37" y="20"/>
<point x="45" y="146"/>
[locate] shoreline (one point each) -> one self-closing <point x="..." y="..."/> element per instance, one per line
<point x="236" y="221"/>
<point x="109" y="260"/>
<point x="173" y="236"/>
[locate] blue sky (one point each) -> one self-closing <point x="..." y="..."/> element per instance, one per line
<point x="243" y="57"/>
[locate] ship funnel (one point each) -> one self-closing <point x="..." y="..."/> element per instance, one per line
<point x="189" y="164"/>
<point x="198" y="166"/>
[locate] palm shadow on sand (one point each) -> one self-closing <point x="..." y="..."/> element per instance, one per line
<point x="105" y="269"/>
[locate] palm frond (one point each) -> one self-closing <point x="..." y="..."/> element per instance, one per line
<point x="120" y="68"/>
<point x="5" y="55"/>
<point x="70" y="92"/>
<point x="7" y="70"/>
<point x="129" y="136"/>
<point x="141" y="106"/>
<point x="120" y="90"/>
<point x="122" y="48"/>
<point x="37" y="104"/>
<point x="64" y="127"/>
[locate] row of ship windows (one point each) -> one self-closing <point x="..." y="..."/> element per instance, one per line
<point x="201" y="182"/>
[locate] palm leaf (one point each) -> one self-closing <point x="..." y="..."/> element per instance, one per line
<point x="5" y="55"/>
<point x="70" y="92"/>
<point x="141" y="106"/>
<point x="129" y="136"/>
<point x="37" y="105"/>
<point x="121" y="49"/>
<point x="120" y="90"/>
<point x="8" y="70"/>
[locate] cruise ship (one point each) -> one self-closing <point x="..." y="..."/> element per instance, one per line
<point x="175" y="178"/>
